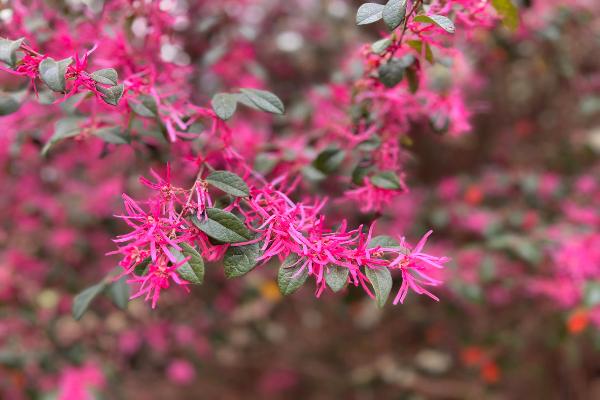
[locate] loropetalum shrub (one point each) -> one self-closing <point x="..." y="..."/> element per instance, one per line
<point x="234" y="213"/>
<point x="98" y="88"/>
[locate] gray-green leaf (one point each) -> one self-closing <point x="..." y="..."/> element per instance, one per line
<point x="144" y="106"/>
<point x="289" y="277"/>
<point x="393" y="13"/>
<point x="381" y="279"/>
<point x="262" y="100"/>
<point x="193" y="269"/>
<point x="64" y="128"/>
<point x="392" y="72"/>
<point x="369" y="13"/>
<point x="329" y="160"/>
<point x="111" y="95"/>
<point x="229" y="183"/>
<point x="380" y="46"/>
<point x="107" y="76"/>
<point x="386" y="180"/>
<point x="439" y="20"/>
<point x="336" y="277"/>
<point x="118" y="292"/>
<point x="223" y="226"/>
<point x="111" y="134"/>
<point x="8" y="50"/>
<point x="383" y="241"/>
<point x="53" y="73"/>
<point x="224" y="105"/>
<point x="240" y="260"/>
<point x="82" y="301"/>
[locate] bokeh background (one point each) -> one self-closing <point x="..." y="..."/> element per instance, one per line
<point x="514" y="203"/>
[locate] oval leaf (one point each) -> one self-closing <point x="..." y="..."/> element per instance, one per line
<point x="53" y="73"/>
<point x="290" y="276"/>
<point x="111" y="95"/>
<point x="118" y="292"/>
<point x="229" y="183"/>
<point x="336" y="277"/>
<point x="64" y="128"/>
<point x="380" y="46"/>
<point x="329" y="160"/>
<point x="393" y="13"/>
<point x="192" y="270"/>
<point x="223" y="226"/>
<point x="240" y="260"/>
<point x="224" y="105"/>
<point x="82" y="301"/>
<point x="144" y="106"/>
<point x="392" y="72"/>
<point x="386" y="180"/>
<point x="381" y="279"/>
<point x="111" y="134"/>
<point x="383" y="241"/>
<point x="369" y="13"/>
<point x="107" y="76"/>
<point x="439" y="20"/>
<point x="262" y="100"/>
<point x="8" y="51"/>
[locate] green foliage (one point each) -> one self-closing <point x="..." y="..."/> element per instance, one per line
<point x="381" y="280"/>
<point x="229" y="182"/>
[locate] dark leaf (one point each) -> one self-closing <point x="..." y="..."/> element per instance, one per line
<point x="336" y="277"/>
<point x="223" y="226"/>
<point x="381" y="279"/>
<point x="82" y="301"/>
<point x="229" y="183"/>
<point x="240" y="260"/>
<point x="107" y="76"/>
<point x="290" y="276"/>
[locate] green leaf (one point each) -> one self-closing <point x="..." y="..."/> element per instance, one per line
<point x="107" y="76"/>
<point x="289" y="277"/>
<point x="369" y="13"/>
<point x="192" y="270"/>
<point x="383" y="241"/>
<point x="240" y="260"/>
<point x="261" y="100"/>
<point x="329" y="160"/>
<point x="418" y="46"/>
<point x="11" y="102"/>
<point x="439" y="20"/>
<point x="393" y="13"/>
<point x="111" y="95"/>
<point x="380" y="46"/>
<point x="82" y="301"/>
<point x="386" y="180"/>
<point x="8" y="51"/>
<point x="63" y="129"/>
<point x="509" y="13"/>
<point x="53" y="73"/>
<point x="118" y="292"/>
<point x="111" y="134"/>
<point x="336" y="277"/>
<point x="142" y="268"/>
<point x="229" y="183"/>
<point x="144" y="106"/>
<point x="381" y="279"/>
<point x="224" y="105"/>
<point x="392" y="72"/>
<point x="223" y="226"/>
